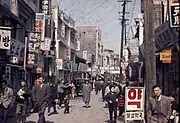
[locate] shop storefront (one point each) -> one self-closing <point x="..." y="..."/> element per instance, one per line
<point x="167" y="58"/>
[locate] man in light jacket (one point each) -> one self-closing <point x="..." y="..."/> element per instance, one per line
<point x="7" y="105"/>
<point x="159" y="110"/>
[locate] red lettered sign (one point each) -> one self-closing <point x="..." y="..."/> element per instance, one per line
<point x="134" y="98"/>
<point x="134" y="103"/>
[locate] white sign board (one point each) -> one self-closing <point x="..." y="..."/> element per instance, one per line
<point x="174" y="9"/>
<point x="59" y="64"/>
<point x="45" y="46"/>
<point x="85" y="55"/>
<point x="134" y="103"/>
<point x="14" y="7"/>
<point x="5" y="37"/>
<point x="40" y="24"/>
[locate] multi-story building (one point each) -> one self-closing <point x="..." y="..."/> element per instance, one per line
<point x="19" y="16"/>
<point x="91" y="44"/>
<point x="110" y="61"/>
<point x="65" y="38"/>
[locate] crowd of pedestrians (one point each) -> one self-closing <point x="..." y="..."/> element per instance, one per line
<point x="16" y="105"/>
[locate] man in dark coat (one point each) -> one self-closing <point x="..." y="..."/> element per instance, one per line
<point x="112" y="99"/>
<point x="97" y="85"/>
<point x="103" y="87"/>
<point x="42" y="95"/>
<point x="86" y="91"/>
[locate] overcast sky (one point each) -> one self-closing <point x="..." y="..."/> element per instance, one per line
<point x="102" y="13"/>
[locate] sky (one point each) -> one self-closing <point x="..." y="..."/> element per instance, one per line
<point x="102" y="13"/>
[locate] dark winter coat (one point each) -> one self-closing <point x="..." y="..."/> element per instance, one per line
<point x="42" y="96"/>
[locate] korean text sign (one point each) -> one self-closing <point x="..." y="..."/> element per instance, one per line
<point x="33" y="38"/>
<point x="134" y="103"/>
<point x="174" y="8"/>
<point x="5" y="37"/>
<point x="40" y="24"/>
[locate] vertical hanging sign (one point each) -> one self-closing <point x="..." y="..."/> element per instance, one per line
<point x="14" y="7"/>
<point x="32" y="47"/>
<point x="40" y="24"/>
<point x="68" y="53"/>
<point x="174" y="9"/>
<point x="46" y="9"/>
<point x="5" y="37"/>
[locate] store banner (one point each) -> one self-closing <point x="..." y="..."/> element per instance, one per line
<point x="78" y="45"/>
<point x="14" y="7"/>
<point x="85" y="55"/>
<point x="46" y="9"/>
<point x="5" y="37"/>
<point x="166" y="56"/>
<point x="174" y="9"/>
<point x="134" y="103"/>
<point x="59" y="64"/>
<point x="68" y="53"/>
<point x="33" y="47"/>
<point x="40" y="24"/>
<point x="45" y="46"/>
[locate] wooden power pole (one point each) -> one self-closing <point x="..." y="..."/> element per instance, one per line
<point x="123" y="23"/>
<point x="150" y="58"/>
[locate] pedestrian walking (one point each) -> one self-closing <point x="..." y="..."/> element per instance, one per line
<point x="66" y="104"/>
<point x="60" y="92"/>
<point x="34" y="100"/>
<point x="7" y="104"/>
<point x="112" y="99"/>
<point x="22" y="100"/>
<point x="86" y="91"/>
<point x="42" y="95"/>
<point x="159" y="110"/>
<point x="107" y="90"/>
<point x="97" y="85"/>
<point x="103" y="87"/>
<point x="73" y="88"/>
<point x="52" y="102"/>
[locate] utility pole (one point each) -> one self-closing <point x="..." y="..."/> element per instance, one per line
<point x="123" y="24"/>
<point x="150" y="58"/>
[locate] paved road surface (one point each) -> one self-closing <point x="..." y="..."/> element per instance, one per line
<point x="95" y="114"/>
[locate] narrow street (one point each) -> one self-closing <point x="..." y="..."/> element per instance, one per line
<point x="78" y="114"/>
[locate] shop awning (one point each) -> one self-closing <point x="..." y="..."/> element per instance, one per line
<point x="80" y="60"/>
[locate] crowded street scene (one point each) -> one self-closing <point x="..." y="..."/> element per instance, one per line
<point x="89" y="61"/>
